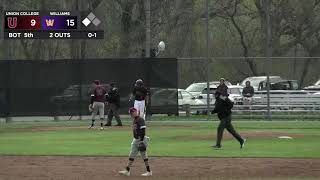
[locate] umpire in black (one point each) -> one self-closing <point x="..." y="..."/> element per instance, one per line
<point x="223" y="108"/>
<point x="113" y="99"/>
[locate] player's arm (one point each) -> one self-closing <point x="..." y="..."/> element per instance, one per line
<point x="214" y="110"/>
<point x="142" y="146"/>
<point x="143" y="133"/>
<point x="147" y="97"/>
<point x="132" y="94"/>
<point x="92" y="99"/>
<point x="229" y="103"/>
<point x="216" y="107"/>
<point x="142" y="129"/>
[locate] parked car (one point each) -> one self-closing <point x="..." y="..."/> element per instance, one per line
<point x="255" y="80"/>
<point x="196" y="88"/>
<point x="315" y="87"/>
<point x="70" y="100"/>
<point x="279" y="84"/>
<point x="234" y="92"/>
<point x="163" y="101"/>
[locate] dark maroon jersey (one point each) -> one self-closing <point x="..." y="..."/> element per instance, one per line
<point x="99" y="94"/>
<point x="140" y="93"/>
<point x="138" y="126"/>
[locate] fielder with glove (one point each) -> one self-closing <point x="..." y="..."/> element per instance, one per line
<point x="139" y="143"/>
<point x="98" y="98"/>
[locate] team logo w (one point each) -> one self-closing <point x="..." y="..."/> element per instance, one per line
<point x="12" y="22"/>
<point x="50" y="22"/>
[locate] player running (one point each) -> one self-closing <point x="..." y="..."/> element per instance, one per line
<point x="139" y="143"/>
<point x="223" y="106"/>
<point x="140" y="94"/>
<point x="98" y="99"/>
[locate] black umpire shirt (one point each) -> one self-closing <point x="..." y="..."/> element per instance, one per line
<point x="223" y="108"/>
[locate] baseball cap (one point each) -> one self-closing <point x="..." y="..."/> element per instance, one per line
<point x="97" y="82"/>
<point x="139" y="81"/>
<point x="132" y="110"/>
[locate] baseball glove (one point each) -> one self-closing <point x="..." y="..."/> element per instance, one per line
<point x="142" y="147"/>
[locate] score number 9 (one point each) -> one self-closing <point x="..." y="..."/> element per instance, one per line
<point x="33" y="22"/>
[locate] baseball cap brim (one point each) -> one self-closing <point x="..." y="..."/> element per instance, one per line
<point x="132" y="110"/>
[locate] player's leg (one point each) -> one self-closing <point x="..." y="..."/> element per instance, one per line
<point x="117" y="114"/>
<point x="139" y="107"/>
<point x="143" y="109"/>
<point x="110" y="116"/>
<point x="101" y="114"/>
<point x="133" y="153"/>
<point x="220" y="130"/>
<point x="144" y="156"/>
<point x="232" y="131"/>
<point x="136" y="104"/>
<point x="94" y="113"/>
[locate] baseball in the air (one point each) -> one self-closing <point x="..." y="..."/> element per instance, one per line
<point x="161" y="46"/>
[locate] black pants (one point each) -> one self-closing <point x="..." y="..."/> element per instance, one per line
<point x="113" y="111"/>
<point x="225" y="123"/>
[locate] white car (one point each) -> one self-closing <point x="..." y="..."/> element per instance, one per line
<point x="315" y="87"/>
<point x="318" y="94"/>
<point x="169" y="96"/>
<point x="169" y="101"/>
<point x="235" y="92"/>
<point x="186" y="98"/>
<point x="197" y="88"/>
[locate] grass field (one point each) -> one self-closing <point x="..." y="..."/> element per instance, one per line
<point x="168" y="138"/>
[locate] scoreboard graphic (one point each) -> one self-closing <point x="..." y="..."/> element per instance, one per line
<point x="52" y="25"/>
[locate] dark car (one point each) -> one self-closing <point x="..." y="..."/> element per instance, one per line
<point x="74" y="98"/>
<point x="163" y="101"/>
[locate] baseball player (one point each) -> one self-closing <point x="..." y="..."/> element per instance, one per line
<point x="140" y="94"/>
<point x="223" y="109"/>
<point x="113" y="99"/>
<point x="139" y="143"/>
<point x="98" y="99"/>
<point x="222" y="89"/>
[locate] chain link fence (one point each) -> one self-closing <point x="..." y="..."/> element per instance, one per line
<point x="64" y="87"/>
<point x="293" y="93"/>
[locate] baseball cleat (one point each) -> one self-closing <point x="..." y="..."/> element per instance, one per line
<point x="101" y="128"/>
<point x="242" y="143"/>
<point x="107" y="125"/>
<point x="217" y="147"/>
<point x="147" y="174"/>
<point x="90" y="127"/>
<point x="125" y="173"/>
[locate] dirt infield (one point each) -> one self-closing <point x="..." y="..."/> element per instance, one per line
<point x="106" y="168"/>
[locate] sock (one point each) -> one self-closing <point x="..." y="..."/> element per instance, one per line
<point x="129" y="164"/>
<point x="92" y="124"/>
<point x="146" y="162"/>
<point x="101" y="122"/>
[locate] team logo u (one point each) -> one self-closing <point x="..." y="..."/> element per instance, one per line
<point x="12" y="22"/>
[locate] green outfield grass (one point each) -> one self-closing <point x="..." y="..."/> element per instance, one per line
<point x="168" y="138"/>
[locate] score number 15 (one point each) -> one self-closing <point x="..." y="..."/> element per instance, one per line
<point x="70" y="22"/>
